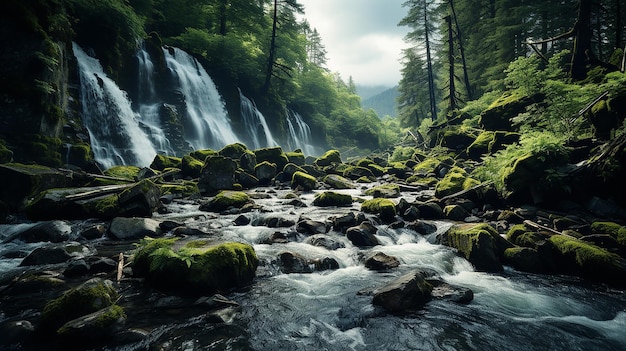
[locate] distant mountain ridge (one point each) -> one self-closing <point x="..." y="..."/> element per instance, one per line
<point x="384" y="103"/>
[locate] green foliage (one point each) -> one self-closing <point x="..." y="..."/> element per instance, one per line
<point x="545" y="145"/>
<point x="402" y="153"/>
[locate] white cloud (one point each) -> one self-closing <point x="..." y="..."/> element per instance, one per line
<point x="361" y="37"/>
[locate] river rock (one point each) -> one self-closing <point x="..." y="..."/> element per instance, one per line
<point x="272" y="221"/>
<point x="92" y="232"/>
<point x="311" y="227"/>
<point x="48" y="231"/>
<point x="384" y="208"/>
<point x="195" y="266"/>
<point x="478" y="243"/>
<point x="93" y="328"/>
<point x="525" y="259"/>
<point x="225" y="200"/>
<point x="325" y="264"/>
<point x="304" y="181"/>
<point x="336" y="181"/>
<point x="430" y="210"/>
<point x="15" y="331"/>
<point x="455" y="212"/>
<point x="325" y="241"/>
<point x="363" y="235"/>
<point x="265" y="172"/>
<point x="421" y="227"/>
<point x="342" y="223"/>
<point x="134" y="228"/>
<point x="291" y="262"/>
<point x="89" y="297"/>
<point x="380" y="261"/>
<point x="331" y="198"/>
<point x="328" y="158"/>
<point x="46" y="255"/>
<point x="218" y="173"/>
<point x="273" y="155"/>
<point x="140" y="200"/>
<point x="445" y="291"/>
<point x="407" y="292"/>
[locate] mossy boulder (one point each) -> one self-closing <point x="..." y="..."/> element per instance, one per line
<point x="190" y="167"/>
<point x="384" y="208"/>
<point x="356" y="172"/>
<point x="265" y="172"/>
<point x="201" y="155"/>
<point x="296" y="157"/>
<point x="478" y="243"/>
<point x="226" y="199"/>
<point x="331" y="198"/>
<point x="427" y="166"/>
<point x="95" y="327"/>
<point x="499" y="114"/>
<point x="303" y="180"/>
<point x="389" y="190"/>
<point x="162" y="162"/>
<point x="454" y="181"/>
<point x="139" y="200"/>
<point x="6" y="155"/>
<point x="533" y="177"/>
<point x="126" y="172"/>
<point x="22" y="182"/>
<point x="525" y="259"/>
<point x="233" y="151"/>
<point x="291" y="168"/>
<point x="336" y="181"/>
<point x="328" y="158"/>
<point x="615" y="230"/>
<point x="456" y="138"/>
<point x="90" y="297"/>
<point x="273" y="155"/>
<point x="195" y="267"/>
<point x="586" y="260"/>
<point x="218" y="173"/>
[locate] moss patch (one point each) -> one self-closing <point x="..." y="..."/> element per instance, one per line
<point x="454" y="181"/>
<point x="306" y="181"/>
<point x="328" y="158"/>
<point x="162" y="162"/>
<point x="226" y="199"/>
<point x="386" y="190"/>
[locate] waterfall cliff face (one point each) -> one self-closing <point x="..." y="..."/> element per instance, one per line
<point x="300" y="134"/>
<point x="114" y="128"/>
<point x="205" y="121"/>
<point x="257" y="131"/>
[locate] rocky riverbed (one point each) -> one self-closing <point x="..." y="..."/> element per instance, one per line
<point x="269" y="250"/>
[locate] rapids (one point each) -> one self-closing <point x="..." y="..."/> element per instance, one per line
<point x="332" y="310"/>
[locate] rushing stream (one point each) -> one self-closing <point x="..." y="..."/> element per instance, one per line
<point x="332" y="310"/>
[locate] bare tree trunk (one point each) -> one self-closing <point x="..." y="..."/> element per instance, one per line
<point x="582" y="41"/>
<point x="468" y="87"/>
<point x="272" y="51"/>
<point x="452" y="103"/>
<point x="429" y="64"/>
<point x="222" y="9"/>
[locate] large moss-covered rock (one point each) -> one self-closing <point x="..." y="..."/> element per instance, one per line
<point x="190" y="167"/>
<point x="328" y="158"/>
<point x="95" y="327"/>
<point x="226" y="199"/>
<point x="478" y="243"/>
<point x="356" y="172"/>
<point x="615" y="230"/>
<point x="265" y="172"/>
<point x="489" y="142"/>
<point x="218" y="173"/>
<point x="386" y="190"/>
<point x="303" y="180"/>
<point x="22" y="182"/>
<point x="331" y="198"/>
<point x="90" y="297"/>
<point x="195" y="267"/>
<point x="336" y="181"/>
<point x="296" y="157"/>
<point x="498" y="115"/>
<point x="384" y="208"/>
<point x="233" y="151"/>
<point x="583" y="259"/>
<point x="456" y="138"/>
<point x="533" y="177"/>
<point x="161" y="162"/>
<point x="454" y="181"/>
<point x="273" y="155"/>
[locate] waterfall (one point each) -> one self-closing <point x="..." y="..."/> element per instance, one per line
<point x="116" y="137"/>
<point x="148" y="104"/>
<point x="255" y="124"/>
<point x="206" y="123"/>
<point x="299" y="134"/>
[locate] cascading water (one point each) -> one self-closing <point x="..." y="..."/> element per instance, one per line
<point x="149" y="104"/>
<point x="299" y="134"/>
<point x="255" y="124"/>
<point x="116" y="137"/>
<point x="207" y="124"/>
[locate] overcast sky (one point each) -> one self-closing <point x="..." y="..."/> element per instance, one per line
<point x="361" y="37"/>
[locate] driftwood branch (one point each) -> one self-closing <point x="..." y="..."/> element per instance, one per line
<point x="591" y="104"/>
<point x="567" y="34"/>
<point x="120" y="267"/>
<point x="543" y="227"/>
